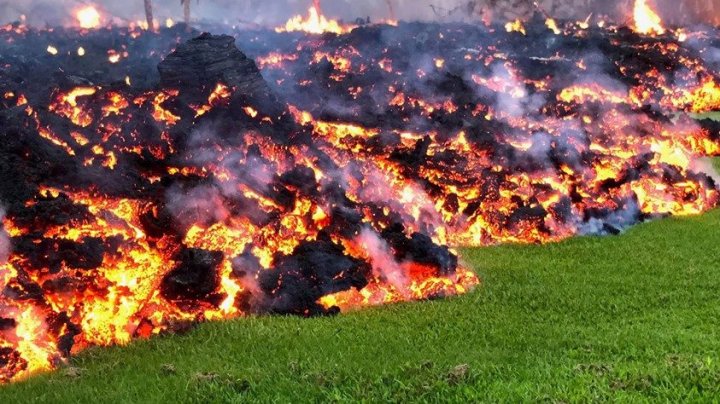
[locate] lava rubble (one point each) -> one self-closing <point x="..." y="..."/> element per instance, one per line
<point x="307" y="174"/>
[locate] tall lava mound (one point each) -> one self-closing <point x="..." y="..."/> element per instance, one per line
<point x="136" y="212"/>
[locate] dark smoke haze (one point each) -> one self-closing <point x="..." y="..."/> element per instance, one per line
<point x="272" y="12"/>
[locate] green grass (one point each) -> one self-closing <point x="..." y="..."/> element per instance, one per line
<point x="629" y="318"/>
<point x="711" y="115"/>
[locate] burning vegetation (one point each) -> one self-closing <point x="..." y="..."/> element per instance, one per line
<point x="315" y="23"/>
<point x="158" y="179"/>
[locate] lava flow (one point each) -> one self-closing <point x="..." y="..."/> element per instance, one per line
<point x="157" y="179"/>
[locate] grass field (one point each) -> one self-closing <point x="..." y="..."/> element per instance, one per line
<point x="630" y="318"/>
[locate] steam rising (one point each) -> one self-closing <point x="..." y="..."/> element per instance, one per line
<point x="383" y="263"/>
<point x="233" y="12"/>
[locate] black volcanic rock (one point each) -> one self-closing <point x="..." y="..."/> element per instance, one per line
<point x="209" y="59"/>
<point x="198" y="65"/>
<point x="315" y="269"/>
<point x="195" y="277"/>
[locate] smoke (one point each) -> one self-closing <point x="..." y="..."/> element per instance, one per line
<point x="56" y="12"/>
<point x="613" y="223"/>
<point x="384" y="265"/>
<point x="201" y="204"/>
<point x="207" y="203"/>
<point x="705" y="166"/>
<point x="233" y="12"/>
<point x="5" y="242"/>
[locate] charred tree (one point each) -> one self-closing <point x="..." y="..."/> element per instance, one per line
<point x="149" y="14"/>
<point x="186" y="11"/>
<point x="391" y="9"/>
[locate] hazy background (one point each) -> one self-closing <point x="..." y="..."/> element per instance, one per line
<point x="273" y="12"/>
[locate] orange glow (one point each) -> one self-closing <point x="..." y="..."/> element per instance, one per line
<point x="67" y="106"/>
<point x="552" y="26"/>
<point x="88" y="17"/>
<point x="314" y="23"/>
<point x="646" y="20"/>
<point x="701" y="99"/>
<point x="220" y="96"/>
<point x="159" y="112"/>
<point x="274" y="59"/>
<point x="515" y="26"/>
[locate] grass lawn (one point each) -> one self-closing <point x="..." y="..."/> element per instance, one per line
<point x="634" y="317"/>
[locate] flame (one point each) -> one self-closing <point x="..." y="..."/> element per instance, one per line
<point x="700" y="99"/>
<point x="274" y="60"/>
<point x="515" y="26"/>
<point x="646" y="20"/>
<point x="552" y="26"/>
<point x="314" y="23"/>
<point x="378" y="293"/>
<point x="34" y="345"/>
<point x="88" y="17"/>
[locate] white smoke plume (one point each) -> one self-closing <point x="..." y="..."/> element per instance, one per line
<point x="201" y="204"/>
<point x="383" y="263"/>
<point x="704" y="165"/>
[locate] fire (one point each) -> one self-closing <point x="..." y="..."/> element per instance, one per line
<point x="114" y="56"/>
<point x="33" y="343"/>
<point x="552" y="26"/>
<point x="702" y="99"/>
<point x="314" y="23"/>
<point x="646" y="20"/>
<point x="378" y="293"/>
<point x="515" y="26"/>
<point x="88" y="17"/>
<point x="274" y="60"/>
